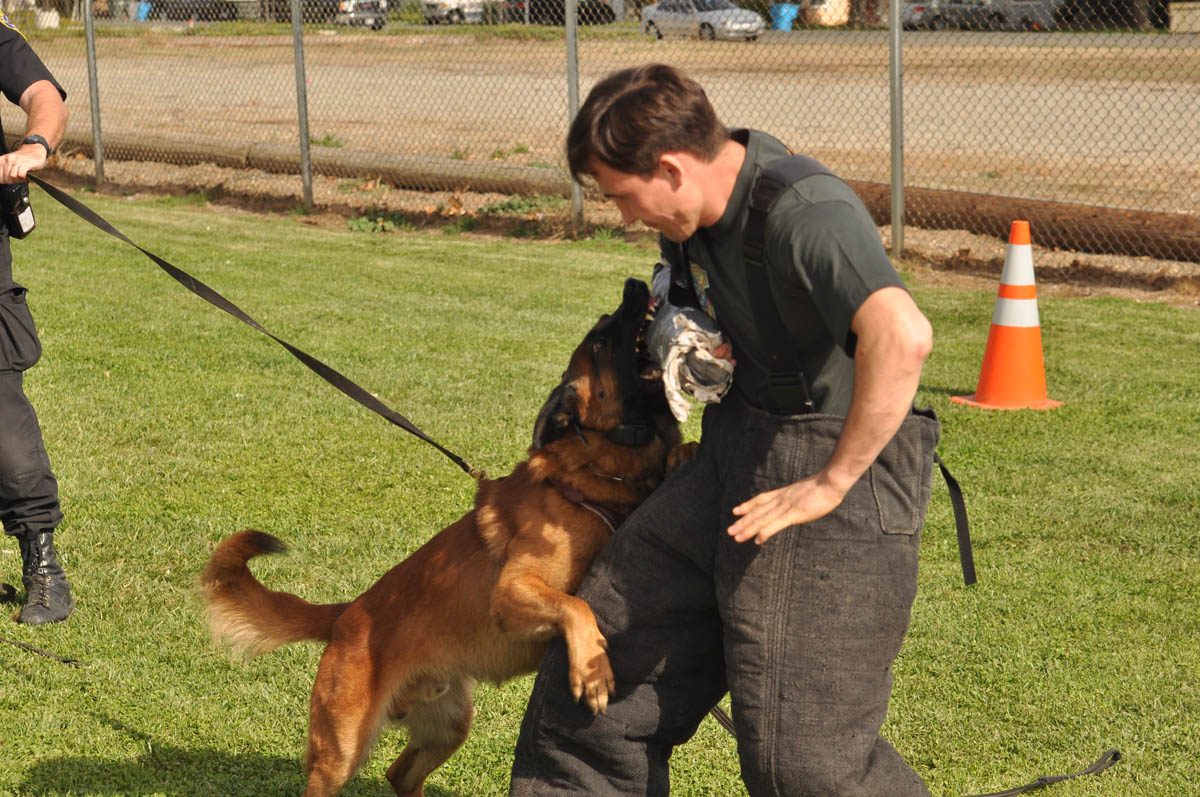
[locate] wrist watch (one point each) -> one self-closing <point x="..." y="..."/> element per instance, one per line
<point x="38" y="140"/>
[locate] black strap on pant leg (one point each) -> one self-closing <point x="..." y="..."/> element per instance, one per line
<point x="1105" y="761"/>
<point x="966" y="555"/>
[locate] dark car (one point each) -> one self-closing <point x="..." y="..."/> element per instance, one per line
<point x="554" y="12"/>
<point x="199" y="10"/>
<point x="310" y="10"/>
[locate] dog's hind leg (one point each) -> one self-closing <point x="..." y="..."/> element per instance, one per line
<point x="349" y="704"/>
<point x="435" y="730"/>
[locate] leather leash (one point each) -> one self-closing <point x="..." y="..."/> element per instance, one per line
<point x="330" y="375"/>
<point x="1105" y="761"/>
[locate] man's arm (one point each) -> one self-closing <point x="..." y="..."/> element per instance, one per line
<point x="894" y="339"/>
<point x="47" y="118"/>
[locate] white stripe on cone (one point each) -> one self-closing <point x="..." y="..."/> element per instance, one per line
<point x="1016" y="313"/>
<point x="1018" y="265"/>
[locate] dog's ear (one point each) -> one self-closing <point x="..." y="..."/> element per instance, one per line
<point x="555" y="417"/>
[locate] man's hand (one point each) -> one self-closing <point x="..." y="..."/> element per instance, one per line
<point x="48" y="119"/>
<point x="767" y="513"/>
<point x="15" y="166"/>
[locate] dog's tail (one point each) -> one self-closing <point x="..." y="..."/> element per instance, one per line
<point x="249" y="617"/>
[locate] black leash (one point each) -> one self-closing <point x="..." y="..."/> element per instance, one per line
<point x="333" y="377"/>
<point x="1105" y="761"/>
<point x="43" y="653"/>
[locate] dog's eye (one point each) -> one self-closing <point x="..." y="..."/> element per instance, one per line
<point x="598" y="344"/>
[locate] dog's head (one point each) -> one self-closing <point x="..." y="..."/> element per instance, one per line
<point x="612" y="387"/>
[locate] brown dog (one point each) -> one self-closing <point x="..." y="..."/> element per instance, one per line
<point x="483" y="597"/>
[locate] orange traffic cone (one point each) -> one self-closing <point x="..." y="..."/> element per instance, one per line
<point x="1013" y="376"/>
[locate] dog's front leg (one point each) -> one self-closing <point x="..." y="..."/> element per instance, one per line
<point x="524" y="604"/>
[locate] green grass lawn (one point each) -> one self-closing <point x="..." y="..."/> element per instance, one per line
<point x="171" y="425"/>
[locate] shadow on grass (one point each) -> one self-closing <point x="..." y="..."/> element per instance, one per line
<point x="175" y="772"/>
<point x="169" y="770"/>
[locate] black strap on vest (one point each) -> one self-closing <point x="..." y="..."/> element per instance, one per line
<point x="787" y="387"/>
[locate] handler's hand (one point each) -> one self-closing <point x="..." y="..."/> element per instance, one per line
<point x="16" y="166"/>
<point x="767" y="513"/>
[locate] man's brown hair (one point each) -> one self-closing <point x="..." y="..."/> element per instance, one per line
<point x="632" y="117"/>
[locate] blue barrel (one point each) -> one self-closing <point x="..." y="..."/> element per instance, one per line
<point x="143" y="11"/>
<point x="783" y="15"/>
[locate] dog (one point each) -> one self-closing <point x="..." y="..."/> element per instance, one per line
<point x="482" y="598"/>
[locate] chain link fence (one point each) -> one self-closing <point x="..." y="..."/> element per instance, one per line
<point x="1082" y="115"/>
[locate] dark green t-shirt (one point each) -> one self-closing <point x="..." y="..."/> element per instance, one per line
<point x="824" y="258"/>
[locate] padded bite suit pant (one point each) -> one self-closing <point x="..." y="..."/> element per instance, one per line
<point x="802" y="631"/>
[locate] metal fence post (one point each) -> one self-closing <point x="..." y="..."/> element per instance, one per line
<point x="302" y="104"/>
<point x="896" y="81"/>
<point x="93" y="89"/>
<point x="573" y="97"/>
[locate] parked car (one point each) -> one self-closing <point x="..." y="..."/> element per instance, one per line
<point x="310" y="10"/>
<point x="454" y="12"/>
<point x="707" y="19"/>
<point x="363" y="13"/>
<point x="918" y="14"/>
<point x="997" y="14"/>
<point x="554" y="12"/>
<point x="199" y="10"/>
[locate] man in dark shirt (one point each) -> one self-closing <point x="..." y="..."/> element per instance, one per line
<point x="29" y="503"/>
<point x="781" y="563"/>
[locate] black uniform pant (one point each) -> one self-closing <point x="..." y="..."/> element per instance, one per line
<point x="802" y="631"/>
<point x="28" y="489"/>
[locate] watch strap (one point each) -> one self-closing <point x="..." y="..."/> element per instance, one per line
<point x="35" y="139"/>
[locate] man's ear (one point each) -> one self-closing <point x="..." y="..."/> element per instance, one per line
<point x="671" y="168"/>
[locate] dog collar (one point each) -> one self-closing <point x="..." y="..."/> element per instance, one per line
<point x="632" y="434"/>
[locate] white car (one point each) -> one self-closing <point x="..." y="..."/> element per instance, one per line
<point x="454" y="12"/>
<point x="366" y="13"/>
<point x="707" y="19"/>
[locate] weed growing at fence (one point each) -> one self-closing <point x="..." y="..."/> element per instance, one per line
<point x="391" y="222"/>
<point x="460" y="225"/>
<point x="171" y="425"/>
<point x="524" y="205"/>
<point x="327" y="140"/>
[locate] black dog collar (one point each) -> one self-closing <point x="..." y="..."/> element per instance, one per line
<point x="632" y="434"/>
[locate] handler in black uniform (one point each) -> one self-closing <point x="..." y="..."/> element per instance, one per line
<point x="29" y="504"/>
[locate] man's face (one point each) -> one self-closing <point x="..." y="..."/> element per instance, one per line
<point x="661" y="201"/>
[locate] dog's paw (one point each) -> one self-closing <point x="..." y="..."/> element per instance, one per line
<point x="681" y="454"/>
<point x="593" y="682"/>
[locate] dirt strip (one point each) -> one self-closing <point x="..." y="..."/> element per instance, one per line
<point x="953" y="257"/>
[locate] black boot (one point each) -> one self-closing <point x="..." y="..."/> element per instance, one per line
<point x="47" y="593"/>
